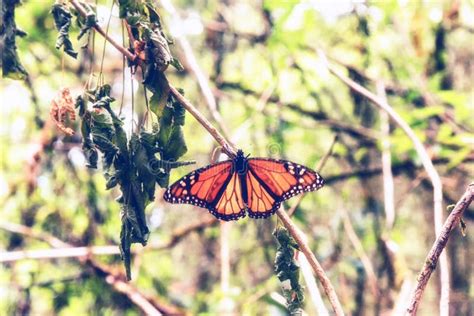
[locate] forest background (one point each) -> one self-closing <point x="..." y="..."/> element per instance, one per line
<point x="268" y="76"/>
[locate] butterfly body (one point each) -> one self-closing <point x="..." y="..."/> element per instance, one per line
<point x="232" y="188"/>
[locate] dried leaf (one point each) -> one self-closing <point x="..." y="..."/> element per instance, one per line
<point x="62" y="106"/>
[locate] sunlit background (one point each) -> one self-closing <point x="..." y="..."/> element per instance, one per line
<point x="262" y="62"/>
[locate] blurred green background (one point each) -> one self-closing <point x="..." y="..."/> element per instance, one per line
<point x="276" y="99"/>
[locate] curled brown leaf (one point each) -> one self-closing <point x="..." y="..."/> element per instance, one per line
<point x="62" y="106"/>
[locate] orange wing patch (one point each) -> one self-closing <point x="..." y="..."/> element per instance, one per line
<point x="230" y="205"/>
<point x="201" y="186"/>
<point x="284" y="179"/>
<point x="215" y="187"/>
<point x="260" y="202"/>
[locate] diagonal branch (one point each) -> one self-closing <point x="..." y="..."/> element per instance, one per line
<point x="184" y="102"/>
<point x="288" y="223"/>
<point x="437" y="248"/>
<point x="315" y="265"/>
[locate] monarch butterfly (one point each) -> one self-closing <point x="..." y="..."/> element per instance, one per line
<point x="231" y="188"/>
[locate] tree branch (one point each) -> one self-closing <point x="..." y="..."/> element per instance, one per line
<point x="64" y="250"/>
<point x="320" y="117"/>
<point x="427" y="164"/>
<point x="317" y="268"/>
<point x="437" y="248"/>
<point x="99" y="29"/>
<point x="388" y="185"/>
<point x="148" y="305"/>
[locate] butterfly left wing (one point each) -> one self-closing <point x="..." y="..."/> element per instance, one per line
<point x="215" y="187"/>
<point x="271" y="181"/>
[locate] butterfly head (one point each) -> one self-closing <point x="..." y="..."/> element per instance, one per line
<point x="240" y="162"/>
<point x="240" y="154"/>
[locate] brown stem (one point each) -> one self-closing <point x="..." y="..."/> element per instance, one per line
<point x="99" y="29"/>
<point x="435" y="252"/>
<point x="317" y="268"/>
<point x="229" y="150"/>
<point x="359" y="249"/>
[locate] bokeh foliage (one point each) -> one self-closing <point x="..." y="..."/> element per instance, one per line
<point x="276" y="100"/>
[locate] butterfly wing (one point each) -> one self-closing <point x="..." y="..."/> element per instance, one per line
<point x="271" y="181"/>
<point x="215" y="187"/>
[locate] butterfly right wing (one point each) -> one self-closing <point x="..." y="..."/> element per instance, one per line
<point x="272" y="181"/>
<point x="215" y="187"/>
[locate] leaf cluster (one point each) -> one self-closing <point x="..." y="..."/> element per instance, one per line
<point x="133" y="164"/>
<point x="288" y="271"/>
<point x="63" y="19"/>
<point x="151" y="45"/>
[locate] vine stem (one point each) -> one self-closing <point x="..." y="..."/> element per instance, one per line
<point x="230" y="150"/>
<point x="431" y="260"/>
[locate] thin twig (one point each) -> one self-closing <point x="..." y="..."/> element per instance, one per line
<point x="364" y="258"/>
<point x="64" y="250"/>
<point x="56" y="253"/>
<point x="427" y="164"/>
<point x="27" y="231"/>
<point x="312" y="287"/>
<point x="403" y="298"/>
<point x="431" y="260"/>
<point x="180" y="233"/>
<point x="201" y="78"/>
<point x="388" y="185"/>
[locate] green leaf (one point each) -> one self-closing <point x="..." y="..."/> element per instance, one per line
<point x="62" y="20"/>
<point x="125" y="243"/>
<point x="157" y="83"/>
<point x="90" y="22"/>
<point x="176" y="64"/>
<point x="91" y="154"/>
<point x="170" y="136"/>
<point x="176" y="146"/>
<point x="287" y="270"/>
